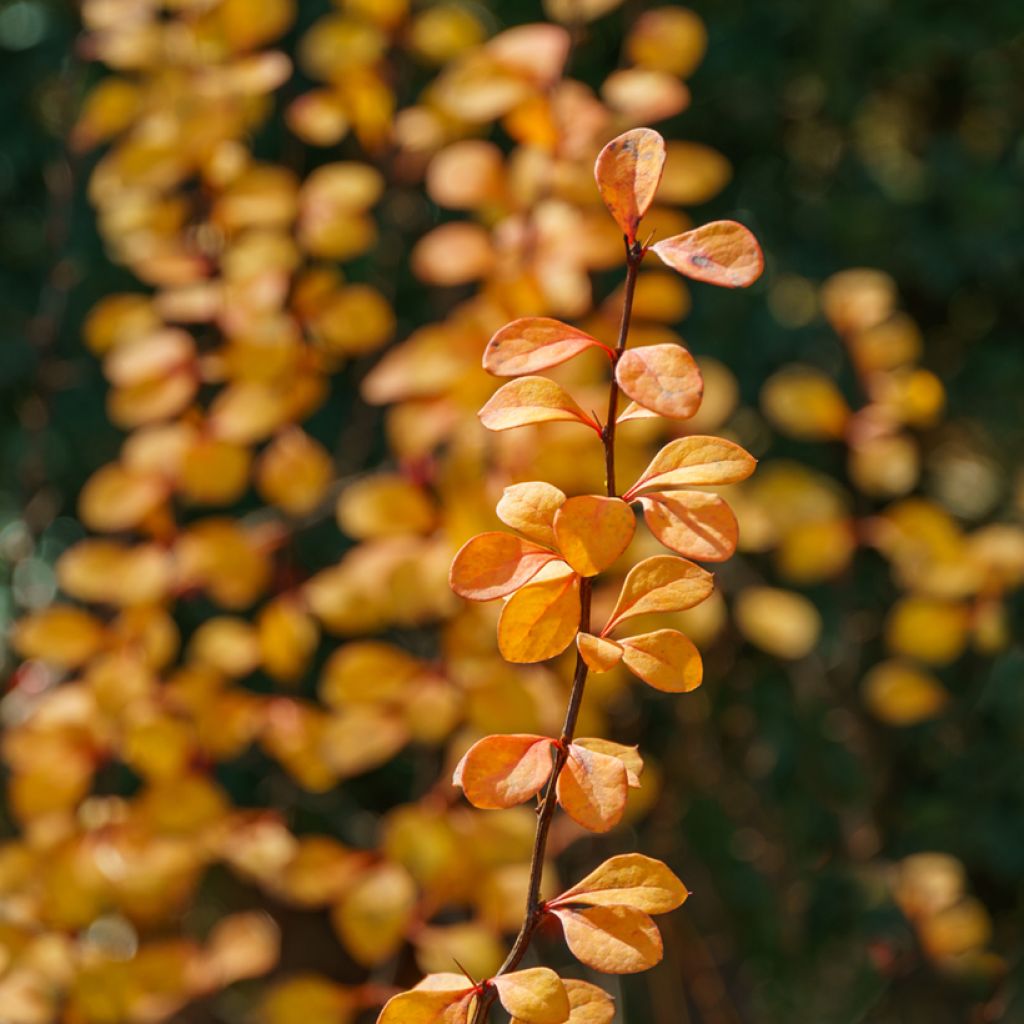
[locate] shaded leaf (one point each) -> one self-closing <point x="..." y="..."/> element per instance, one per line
<point x="693" y="523"/>
<point x="629" y="756"/>
<point x="592" y="788"/>
<point x="662" y="378"/>
<point x="664" y="659"/>
<point x="502" y="771"/>
<point x="494" y="564"/>
<point x="533" y="996"/>
<point x="540" y="620"/>
<point x="599" y="653"/>
<point x="530" y="508"/>
<point x="616" y="940"/>
<point x="593" y="531"/>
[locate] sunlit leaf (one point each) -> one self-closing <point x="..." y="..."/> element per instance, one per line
<point x="662" y="583"/>
<point x="534" y="343"/>
<point x="778" y="621"/>
<point x="372" y="916"/>
<point x="531" y="400"/>
<point x="593" y="531"/>
<point x="722" y="252"/>
<point x="694" y="461"/>
<point x="492" y="565"/>
<point x="662" y="378"/>
<point x="670" y="39"/>
<point x="692" y="523"/>
<point x="665" y="659"/>
<point x="804" y="403"/>
<point x="599" y="653"/>
<point x="534" y="996"/>
<point x="629" y="879"/>
<point x="530" y="508"/>
<point x="428" y="1006"/>
<point x="502" y="771"/>
<point x="616" y="940"/>
<point x="540" y="620"/>
<point x="592" y="788"/>
<point x="628" y="170"/>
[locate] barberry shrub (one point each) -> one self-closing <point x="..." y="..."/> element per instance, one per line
<point x="546" y="572"/>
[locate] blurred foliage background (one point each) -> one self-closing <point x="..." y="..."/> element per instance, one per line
<point x="861" y="133"/>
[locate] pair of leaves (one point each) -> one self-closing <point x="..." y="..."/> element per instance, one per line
<point x="502" y="771"/>
<point x="628" y="172"/>
<point x="665" y="659"/>
<point x="606" y="918"/>
<point x="532" y="996"/>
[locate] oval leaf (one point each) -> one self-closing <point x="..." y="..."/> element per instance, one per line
<point x="664" y="659"/>
<point x="534" y="343"/>
<point x="427" y="1006"/>
<point x="492" y="565"/>
<point x="531" y="400"/>
<point x="599" y="654"/>
<point x="722" y="252"/>
<point x="628" y="171"/>
<point x="502" y="771"/>
<point x="530" y="508"/>
<point x="694" y="462"/>
<point x="662" y="378"/>
<point x="630" y="880"/>
<point x="629" y="756"/>
<point x="588" y="1004"/>
<point x="593" y="531"/>
<point x="540" y="620"/>
<point x="592" y="788"/>
<point x="693" y="523"/>
<point x="534" y="996"/>
<point x="616" y="940"/>
<point x="662" y="583"/>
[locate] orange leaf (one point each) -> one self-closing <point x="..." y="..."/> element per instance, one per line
<point x="494" y="564"/>
<point x="534" y="343"/>
<point x="593" y="531"/>
<point x="540" y="620"/>
<point x="662" y="378"/>
<point x="502" y="771"/>
<point x="599" y="654"/>
<point x="530" y="508"/>
<point x="722" y="252"/>
<point x="629" y="756"/>
<point x="428" y="1006"/>
<point x="630" y="880"/>
<point x="588" y="1004"/>
<point x="534" y="996"/>
<point x="628" y="170"/>
<point x="531" y="400"/>
<point x="664" y="659"/>
<point x="694" y="523"/>
<point x="592" y="788"/>
<point x="662" y="583"/>
<point x="616" y="940"/>
<point x="693" y="462"/>
<point x="635" y="412"/>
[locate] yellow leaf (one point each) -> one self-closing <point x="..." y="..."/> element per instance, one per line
<point x="344" y="678"/>
<point x="662" y="378"/>
<point x="599" y="653"/>
<point x="288" y="636"/>
<point x="593" y="531"/>
<point x="492" y="565"/>
<point x="641" y="94"/>
<point x="530" y="508"/>
<point x="59" y="634"/>
<point x="694" y="173"/>
<point x="534" y="343"/>
<point x="540" y="620"/>
<point x="592" y="788"/>
<point x="309" y="998"/>
<point x="214" y="472"/>
<point x="630" y="880"/>
<point x="573" y="12"/>
<point x="628" y="170"/>
<point x="778" y="621"/>
<point x="531" y="400"/>
<point x="929" y="629"/>
<point x="671" y="39"/>
<point x="294" y="472"/>
<point x="385" y="505"/>
<point x="693" y="523"/>
<point x="454" y="253"/>
<point x="115" y="498"/>
<point x="502" y="771"/>
<point x="533" y="996"/>
<point x="665" y="659"/>
<point x="694" y="461"/>
<point x="804" y="403"/>
<point x="588" y="1004"/>
<point x="372" y="916"/>
<point x="318" y="117"/>
<point x="900" y="694"/>
<point x="629" y="756"/>
<point x="722" y="252"/>
<point x="475" y="946"/>
<point x="428" y="1006"/>
<point x="616" y="940"/>
<point x="662" y="583"/>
